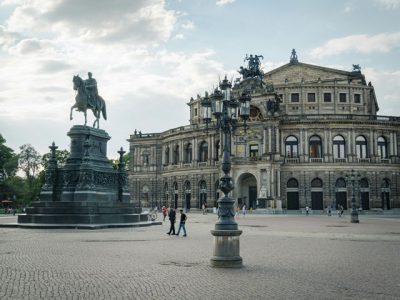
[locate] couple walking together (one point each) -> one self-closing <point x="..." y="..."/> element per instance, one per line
<point x="172" y="219"/>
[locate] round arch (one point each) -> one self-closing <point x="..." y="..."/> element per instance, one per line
<point x="202" y="193"/>
<point x="246" y="188"/>
<point x="317" y="194"/>
<point x="292" y="194"/>
<point x="341" y="193"/>
<point x="187" y="191"/>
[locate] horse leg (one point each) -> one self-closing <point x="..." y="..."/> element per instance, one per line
<point x="96" y="116"/>
<point x="70" y="114"/>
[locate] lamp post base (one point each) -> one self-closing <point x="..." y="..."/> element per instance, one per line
<point x="354" y="217"/>
<point x="226" y="249"/>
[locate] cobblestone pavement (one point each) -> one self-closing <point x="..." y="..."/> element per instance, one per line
<point x="285" y="257"/>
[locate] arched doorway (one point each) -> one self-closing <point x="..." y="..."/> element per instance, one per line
<point x="341" y="193"/>
<point x="203" y="193"/>
<point x="247" y="190"/>
<point x="188" y="194"/>
<point x="317" y="195"/>
<point x="385" y="193"/>
<point x="176" y="195"/>
<point x="292" y="194"/>
<point x="364" y="193"/>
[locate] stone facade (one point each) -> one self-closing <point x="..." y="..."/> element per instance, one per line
<point x="294" y="154"/>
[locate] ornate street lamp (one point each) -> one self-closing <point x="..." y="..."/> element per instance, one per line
<point x="352" y="179"/>
<point x="226" y="233"/>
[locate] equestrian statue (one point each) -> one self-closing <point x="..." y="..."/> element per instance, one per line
<point x="87" y="97"/>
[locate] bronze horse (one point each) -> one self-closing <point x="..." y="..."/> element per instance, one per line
<point x="82" y="102"/>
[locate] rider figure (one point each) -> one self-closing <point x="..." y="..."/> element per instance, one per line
<point x="91" y="87"/>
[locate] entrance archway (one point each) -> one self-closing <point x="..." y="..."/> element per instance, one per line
<point x="292" y="194"/>
<point x="317" y="195"/>
<point x="341" y="193"/>
<point x="203" y="193"/>
<point x="385" y="193"/>
<point x="364" y="191"/>
<point x="247" y="190"/>
<point x="188" y="194"/>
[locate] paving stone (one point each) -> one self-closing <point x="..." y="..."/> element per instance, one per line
<point x="285" y="257"/>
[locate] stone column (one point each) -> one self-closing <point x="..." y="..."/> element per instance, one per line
<point x="269" y="140"/>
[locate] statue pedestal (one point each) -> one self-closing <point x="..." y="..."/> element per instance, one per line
<point x="87" y="189"/>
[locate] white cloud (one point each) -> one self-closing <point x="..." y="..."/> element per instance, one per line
<point x="389" y="4"/>
<point x="8" y="38"/>
<point x="179" y="36"/>
<point x="348" y="8"/>
<point x="143" y="22"/>
<point x="362" y="43"/>
<point x="188" y="25"/>
<point x="387" y="85"/>
<point x="224" y="2"/>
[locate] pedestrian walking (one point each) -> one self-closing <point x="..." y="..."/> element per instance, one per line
<point x="329" y="211"/>
<point x="307" y="210"/>
<point x="172" y="219"/>
<point x="182" y="223"/>
<point x="244" y="210"/>
<point x="203" y="208"/>
<point x="164" y="212"/>
<point x="340" y="211"/>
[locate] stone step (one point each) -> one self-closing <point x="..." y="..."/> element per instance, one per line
<point x="81" y="219"/>
<point x="83" y="210"/>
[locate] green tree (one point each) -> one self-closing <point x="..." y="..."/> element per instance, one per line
<point x="29" y="162"/>
<point x="115" y="162"/>
<point x="61" y="156"/>
<point x="8" y="160"/>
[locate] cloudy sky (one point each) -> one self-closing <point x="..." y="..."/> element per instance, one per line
<point x="150" y="56"/>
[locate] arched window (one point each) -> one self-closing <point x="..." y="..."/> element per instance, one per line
<point x="340" y="183"/>
<point x="315" y="147"/>
<point x="292" y="183"/>
<point x="203" y="152"/>
<point x="145" y="157"/>
<point x="217" y="150"/>
<point x="385" y="183"/>
<point x="338" y="147"/>
<point x="361" y="147"/>
<point x="176" y="155"/>
<point x="382" y="148"/>
<point x="188" y="153"/>
<point x="316" y="183"/>
<point x="291" y="147"/>
<point x="187" y="187"/>
<point x="364" y="183"/>
<point x="166" y="155"/>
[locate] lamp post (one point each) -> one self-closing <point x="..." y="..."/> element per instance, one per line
<point x="226" y="233"/>
<point x="352" y="178"/>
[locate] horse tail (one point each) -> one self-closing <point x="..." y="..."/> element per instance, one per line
<point x="103" y="110"/>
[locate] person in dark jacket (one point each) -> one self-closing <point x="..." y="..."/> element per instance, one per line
<point x="172" y="219"/>
<point x="182" y="223"/>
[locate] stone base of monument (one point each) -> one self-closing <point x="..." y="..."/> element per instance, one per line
<point x="87" y="192"/>
<point x="71" y="214"/>
<point x="226" y="249"/>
